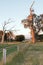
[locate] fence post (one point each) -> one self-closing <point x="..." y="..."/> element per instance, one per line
<point x="18" y="48"/>
<point x="4" y="56"/>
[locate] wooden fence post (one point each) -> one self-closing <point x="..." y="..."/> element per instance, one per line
<point x="4" y="56"/>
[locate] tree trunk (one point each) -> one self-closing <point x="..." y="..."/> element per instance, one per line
<point x="33" y="35"/>
<point x="2" y="38"/>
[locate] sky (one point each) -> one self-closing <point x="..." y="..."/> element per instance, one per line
<point x="18" y="10"/>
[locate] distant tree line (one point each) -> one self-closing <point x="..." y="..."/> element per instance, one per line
<point x="9" y="38"/>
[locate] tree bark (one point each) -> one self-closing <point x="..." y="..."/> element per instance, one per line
<point x="33" y="35"/>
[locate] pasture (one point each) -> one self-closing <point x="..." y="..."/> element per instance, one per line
<point x="28" y="53"/>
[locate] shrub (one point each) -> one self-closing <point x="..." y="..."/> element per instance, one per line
<point x="39" y="37"/>
<point x="20" y="38"/>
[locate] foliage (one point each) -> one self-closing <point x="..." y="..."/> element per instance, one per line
<point x="36" y="22"/>
<point x="19" y="38"/>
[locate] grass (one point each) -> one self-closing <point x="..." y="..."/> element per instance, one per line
<point x="35" y="48"/>
<point x="1" y="55"/>
<point x="31" y="55"/>
<point x="5" y="45"/>
<point x="9" y="48"/>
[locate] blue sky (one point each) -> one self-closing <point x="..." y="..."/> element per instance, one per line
<point x="18" y="9"/>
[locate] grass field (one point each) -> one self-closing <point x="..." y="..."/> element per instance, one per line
<point x="8" y="47"/>
<point x="29" y="54"/>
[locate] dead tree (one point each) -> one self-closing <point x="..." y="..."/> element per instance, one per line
<point x="4" y="28"/>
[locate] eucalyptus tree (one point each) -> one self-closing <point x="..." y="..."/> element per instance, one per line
<point x="36" y="23"/>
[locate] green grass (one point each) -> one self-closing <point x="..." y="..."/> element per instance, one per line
<point x="31" y="55"/>
<point x="4" y="45"/>
<point x="17" y="60"/>
<point x="1" y="55"/>
<point x="9" y="48"/>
